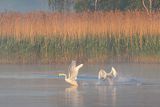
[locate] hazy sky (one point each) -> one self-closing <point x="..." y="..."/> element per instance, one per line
<point x="23" y="5"/>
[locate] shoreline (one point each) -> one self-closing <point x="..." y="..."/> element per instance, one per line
<point x="135" y="59"/>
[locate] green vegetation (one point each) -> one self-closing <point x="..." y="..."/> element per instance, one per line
<point x="102" y="5"/>
<point x="42" y="37"/>
<point x="89" y="48"/>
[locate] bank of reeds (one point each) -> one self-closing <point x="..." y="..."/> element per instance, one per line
<point x="94" y="37"/>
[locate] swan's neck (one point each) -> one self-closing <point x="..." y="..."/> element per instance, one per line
<point x="65" y="76"/>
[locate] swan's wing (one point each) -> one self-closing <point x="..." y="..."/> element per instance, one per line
<point x="114" y="72"/>
<point x="74" y="72"/>
<point x="72" y="65"/>
<point x="71" y="68"/>
<point x="102" y="74"/>
<point x="79" y="66"/>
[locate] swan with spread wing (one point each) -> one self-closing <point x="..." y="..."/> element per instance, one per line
<point x="102" y="75"/>
<point x="72" y="73"/>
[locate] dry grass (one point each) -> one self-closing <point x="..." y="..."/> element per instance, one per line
<point x="79" y="24"/>
<point x="97" y="37"/>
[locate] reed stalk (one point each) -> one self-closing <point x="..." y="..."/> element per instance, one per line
<point x="44" y="37"/>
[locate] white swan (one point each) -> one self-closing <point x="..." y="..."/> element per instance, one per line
<point x="102" y="75"/>
<point x="72" y="74"/>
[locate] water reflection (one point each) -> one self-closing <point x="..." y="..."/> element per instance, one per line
<point x="114" y="96"/>
<point x="19" y="88"/>
<point x="107" y="95"/>
<point x="72" y="97"/>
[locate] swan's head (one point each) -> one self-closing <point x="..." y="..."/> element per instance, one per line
<point x="61" y="74"/>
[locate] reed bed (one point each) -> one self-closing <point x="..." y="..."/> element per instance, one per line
<point x="45" y="37"/>
<point x="79" y="24"/>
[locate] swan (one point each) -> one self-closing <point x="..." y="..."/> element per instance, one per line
<point x="72" y="74"/>
<point x="102" y="75"/>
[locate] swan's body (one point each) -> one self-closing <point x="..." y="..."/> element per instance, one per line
<point x="102" y="75"/>
<point x="68" y="80"/>
<point x="72" y="74"/>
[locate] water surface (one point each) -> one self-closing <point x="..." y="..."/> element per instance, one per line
<point x="38" y="86"/>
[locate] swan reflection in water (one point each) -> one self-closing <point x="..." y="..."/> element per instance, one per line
<point x="72" y="97"/>
<point x="107" y="95"/>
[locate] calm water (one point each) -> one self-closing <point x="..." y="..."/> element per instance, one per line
<point x="38" y="86"/>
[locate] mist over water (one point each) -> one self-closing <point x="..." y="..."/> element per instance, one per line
<point x="39" y="86"/>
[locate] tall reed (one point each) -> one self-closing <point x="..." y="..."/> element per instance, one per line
<point x="79" y="24"/>
<point x="99" y="36"/>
